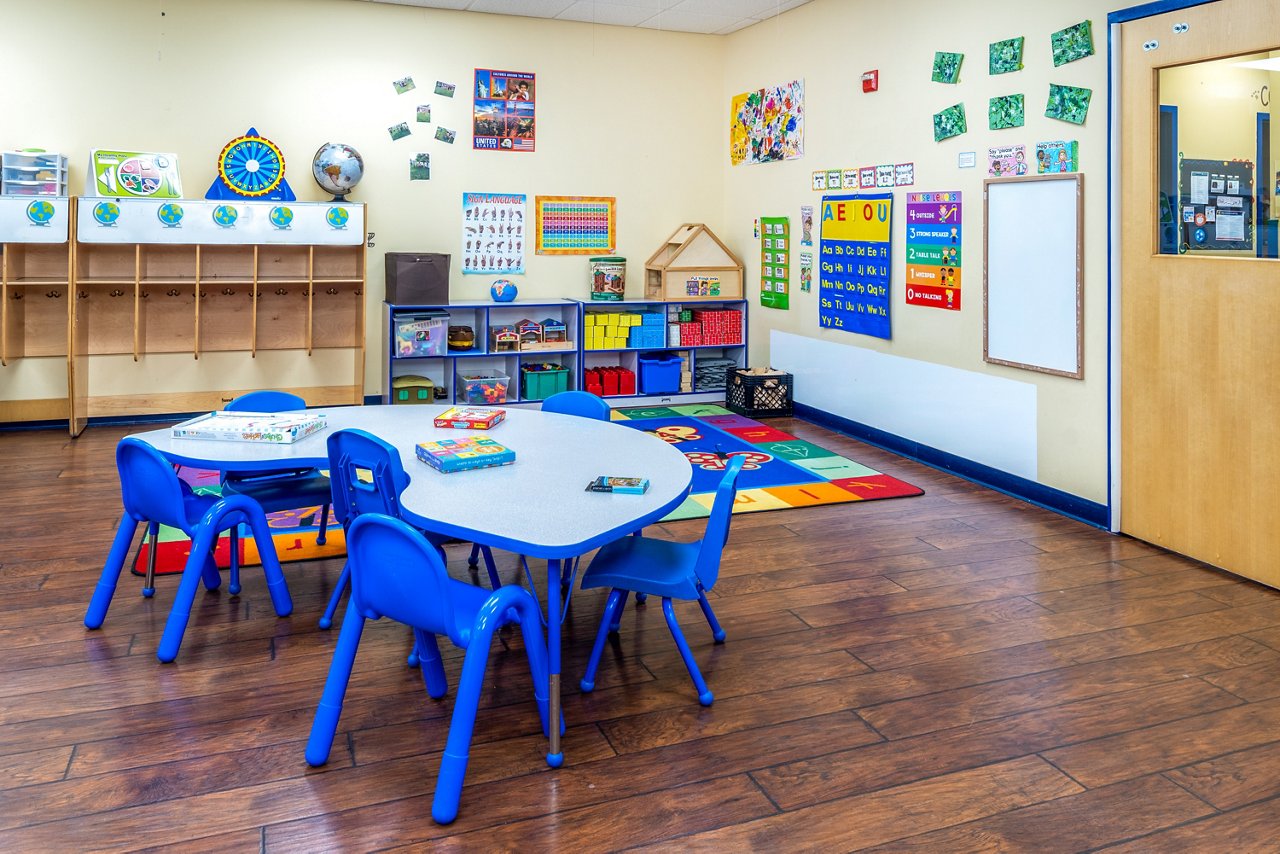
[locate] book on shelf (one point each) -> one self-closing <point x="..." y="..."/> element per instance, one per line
<point x="464" y="453"/>
<point x="622" y="485"/>
<point x="266" y="427"/>
<point x="470" y="417"/>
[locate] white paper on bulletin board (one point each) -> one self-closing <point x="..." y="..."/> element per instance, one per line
<point x="1033" y="288"/>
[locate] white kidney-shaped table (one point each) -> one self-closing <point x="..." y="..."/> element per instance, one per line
<point x="538" y="506"/>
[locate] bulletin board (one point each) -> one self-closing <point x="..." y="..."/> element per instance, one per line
<point x="1033" y="283"/>
<point x="1215" y="204"/>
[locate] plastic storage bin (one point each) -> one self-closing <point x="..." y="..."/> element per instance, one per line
<point x="660" y="373"/>
<point x="482" y="389"/>
<point x="538" y="382"/>
<point x="758" y="395"/>
<point x="423" y="333"/>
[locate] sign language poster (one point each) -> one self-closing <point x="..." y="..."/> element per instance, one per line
<point x="502" y="119"/>
<point x="853" y="282"/>
<point x="933" y="250"/>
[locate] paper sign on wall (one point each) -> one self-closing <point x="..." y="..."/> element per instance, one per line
<point x="775" y="262"/>
<point x="934" y="250"/>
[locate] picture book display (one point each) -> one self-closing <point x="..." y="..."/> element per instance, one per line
<point x="621" y="485"/>
<point x="267" y="427"/>
<point x="464" y="453"/>
<point x="470" y="417"/>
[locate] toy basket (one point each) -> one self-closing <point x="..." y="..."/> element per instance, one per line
<point x="758" y="392"/>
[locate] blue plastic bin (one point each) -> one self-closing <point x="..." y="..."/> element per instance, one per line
<point x="660" y="373"/>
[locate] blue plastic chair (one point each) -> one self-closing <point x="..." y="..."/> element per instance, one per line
<point x="367" y="476"/>
<point x="277" y="490"/>
<point x="396" y="573"/>
<point x="667" y="569"/>
<point x="584" y="404"/>
<point x="153" y="493"/>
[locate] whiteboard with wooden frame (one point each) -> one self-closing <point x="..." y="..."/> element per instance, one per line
<point x="1033" y="273"/>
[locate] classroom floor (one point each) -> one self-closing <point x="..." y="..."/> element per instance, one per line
<point x="954" y="672"/>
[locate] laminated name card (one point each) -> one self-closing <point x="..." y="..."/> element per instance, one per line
<point x="267" y="427"/>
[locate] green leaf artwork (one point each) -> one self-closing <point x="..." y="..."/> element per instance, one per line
<point x="946" y="67"/>
<point x="1068" y="103"/>
<point x="1007" y="111"/>
<point x="948" y="123"/>
<point x="1006" y="56"/>
<point x="1075" y="42"/>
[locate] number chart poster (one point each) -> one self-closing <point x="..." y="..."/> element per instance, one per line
<point x="853" y="283"/>
<point x="775" y="262"/>
<point x="493" y="232"/>
<point x="934" y="232"/>
<point x="575" y="225"/>
<point x="503" y="112"/>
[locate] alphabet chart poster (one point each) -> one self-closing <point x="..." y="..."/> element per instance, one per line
<point x="933" y="250"/>
<point x="775" y="262"/>
<point x="853" y="282"/>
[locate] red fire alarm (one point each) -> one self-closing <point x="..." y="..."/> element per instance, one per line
<point x="870" y="81"/>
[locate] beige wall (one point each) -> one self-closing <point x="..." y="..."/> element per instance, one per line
<point x="631" y="113"/>
<point x="830" y="43"/>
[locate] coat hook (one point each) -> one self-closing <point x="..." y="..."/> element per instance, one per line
<point x="173" y="292"/>
<point x="82" y="294"/>
<point x="359" y="291"/>
<point x="53" y="294"/>
<point x="17" y="295"/>
<point x="146" y="294"/>
<point x="282" y="292"/>
<point x="331" y="291"/>
<point x="228" y="292"/>
<point x="117" y="293"/>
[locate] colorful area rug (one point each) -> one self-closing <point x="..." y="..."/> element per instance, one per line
<point x="294" y="533"/>
<point x="781" y="471"/>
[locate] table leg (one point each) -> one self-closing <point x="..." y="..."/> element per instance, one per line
<point x="555" y="757"/>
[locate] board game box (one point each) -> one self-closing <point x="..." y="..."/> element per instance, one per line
<point x="463" y="453"/>
<point x="470" y="417"/>
<point x="268" y="427"/>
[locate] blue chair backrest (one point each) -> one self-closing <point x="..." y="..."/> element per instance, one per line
<point x="396" y="573"/>
<point x="266" y="401"/>
<point x="352" y="452"/>
<point x="148" y="484"/>
<point x="581" y="403"/>
<point x="717" y="533"/>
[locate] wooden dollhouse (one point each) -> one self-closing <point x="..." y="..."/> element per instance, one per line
<point x="693" y="264"/>
<point x="503" y="339"/>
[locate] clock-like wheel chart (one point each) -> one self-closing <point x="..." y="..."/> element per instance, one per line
<point x="251" y="165"/>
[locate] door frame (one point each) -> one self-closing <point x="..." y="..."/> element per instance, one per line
<point x="1114" y="22"/>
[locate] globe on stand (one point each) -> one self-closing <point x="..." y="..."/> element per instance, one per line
<point x="337" y="168"/>
<point x="503" y="290"/>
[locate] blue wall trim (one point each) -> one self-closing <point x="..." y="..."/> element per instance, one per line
<point x="1146" y="10"/>
<point x="1074" y="506"/>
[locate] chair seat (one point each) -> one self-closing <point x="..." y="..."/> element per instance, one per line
<point x="645" y="565"/>
<point x="283" y="493"/>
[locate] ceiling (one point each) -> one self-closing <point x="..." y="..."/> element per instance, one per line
<point x="718" y="17"/>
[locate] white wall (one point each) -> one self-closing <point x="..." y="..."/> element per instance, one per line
<point x="830" y="43"/>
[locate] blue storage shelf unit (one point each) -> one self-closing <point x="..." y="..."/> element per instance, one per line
<point x="701" y="374"/>
<point x="495" y="353"/>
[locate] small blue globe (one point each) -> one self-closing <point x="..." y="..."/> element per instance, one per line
<point x="503" y="290"/>
<point x="40" y="212"/>
<point x="170" y="214"/>
<point x="281" y="216"/>
<point x="225" y="215"/>
<point x="106" y="213"/>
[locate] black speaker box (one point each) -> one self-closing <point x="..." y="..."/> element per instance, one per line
<point x="417" y="278"/>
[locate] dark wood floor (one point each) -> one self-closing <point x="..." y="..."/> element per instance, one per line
<point x="955" y="672"/>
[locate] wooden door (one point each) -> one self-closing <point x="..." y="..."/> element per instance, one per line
<point x="1200" y="335"/>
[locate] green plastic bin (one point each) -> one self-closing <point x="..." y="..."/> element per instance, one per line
<point x="538" y="382"/>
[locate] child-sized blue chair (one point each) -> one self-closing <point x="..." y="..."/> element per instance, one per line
<point x="153" y="493"/>
<point x="367" y="476"/>
<point x="667" y="569"/>
<point x="396" y="573"/>
<point x="277" y="490"/>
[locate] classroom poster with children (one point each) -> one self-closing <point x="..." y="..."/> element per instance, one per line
<point x="853" y="276"/>
<point x="503" y="115"/>
<point x="934" y="250"/>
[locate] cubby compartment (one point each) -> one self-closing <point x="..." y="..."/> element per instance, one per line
<point x="226" y="265"/>
<point x="167" y="318"/>
<point x="337" y="264"/>
<point x="107" y="262"/>
<point x="36" y="263"/>
<point x="168" y="265"/>
<point x="284" y="263"/>
<point x="226" y="316"/>
<point x="105" y="313"/>
<point x="281" y="315"/>
<point x="337" y="314"/>
<point x="35" y="321"/>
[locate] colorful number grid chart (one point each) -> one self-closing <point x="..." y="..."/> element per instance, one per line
<point x="575" y="225"/>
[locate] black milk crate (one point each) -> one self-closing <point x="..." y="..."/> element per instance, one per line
<point x="758" y="395"/>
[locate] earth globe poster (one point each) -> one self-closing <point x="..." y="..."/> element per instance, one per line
<point x="503" y="115"/>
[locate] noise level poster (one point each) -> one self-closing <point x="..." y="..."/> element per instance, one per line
<point x="933" y="250"/>
<point x="853" y="282"/>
